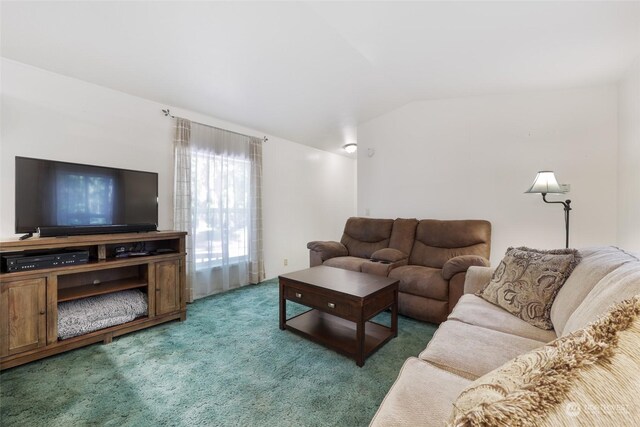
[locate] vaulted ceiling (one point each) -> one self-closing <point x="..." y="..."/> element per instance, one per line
<point x="312" y="71"/>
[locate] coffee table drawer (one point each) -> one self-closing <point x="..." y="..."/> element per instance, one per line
<point x="319" y="301"/>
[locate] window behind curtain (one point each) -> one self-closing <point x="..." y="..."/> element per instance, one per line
<point x="217" y="200"/>
<point x="222" y="207"/>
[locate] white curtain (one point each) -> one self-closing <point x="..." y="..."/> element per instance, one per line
<point x="225" y="183"/>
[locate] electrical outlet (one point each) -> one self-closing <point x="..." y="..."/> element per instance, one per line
<point x="286" y="262"/>
<point x="565" y="188"/>
<point x="367" y="212"/>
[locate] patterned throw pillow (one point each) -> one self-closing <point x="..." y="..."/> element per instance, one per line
<point x="587" y="378"/>
<point x="527" y="280"/>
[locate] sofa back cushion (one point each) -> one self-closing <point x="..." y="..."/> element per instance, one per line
<point x="364" y="236"/>
<point x="620" y="284"/>
<point x="596" y="263"/>
<point x="438" y="241"/>
<point x="402" y="234"/>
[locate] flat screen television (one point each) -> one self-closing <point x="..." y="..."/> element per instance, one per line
<point x="69" y="198"/>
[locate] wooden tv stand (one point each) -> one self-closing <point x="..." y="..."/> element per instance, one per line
<point x="29" y="299"/>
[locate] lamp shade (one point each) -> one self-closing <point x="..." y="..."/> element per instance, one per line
<point x="545" y="182"/>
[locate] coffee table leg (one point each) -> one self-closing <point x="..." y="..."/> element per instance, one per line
<point x="394" y="314"/>
<point x="360" y="343"/>
<point x="283" y="307"/>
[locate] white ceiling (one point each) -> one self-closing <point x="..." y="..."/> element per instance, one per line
<point x="311" y="71"/>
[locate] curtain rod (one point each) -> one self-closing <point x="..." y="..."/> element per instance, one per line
<point x="167" y="113"/>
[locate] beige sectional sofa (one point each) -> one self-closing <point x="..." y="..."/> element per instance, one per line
<point x="479" y="337"/>
<point x="429" y="257"/>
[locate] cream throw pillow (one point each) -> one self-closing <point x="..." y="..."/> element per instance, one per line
<point x="527" y="281"/>
<point x="589" y="377"/>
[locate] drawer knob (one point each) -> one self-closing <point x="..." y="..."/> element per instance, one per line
<point x="298" y="295"/>
<point x="331" y="305"/>
<point x="42" y="313"/>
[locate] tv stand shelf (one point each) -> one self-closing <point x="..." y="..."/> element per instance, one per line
<point x="29" y="299"/>
<point x="84" y="291"/>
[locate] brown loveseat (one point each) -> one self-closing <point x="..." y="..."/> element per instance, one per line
<point x="429" y="257"/>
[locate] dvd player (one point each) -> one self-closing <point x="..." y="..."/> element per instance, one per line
<point x="35" y="261"/>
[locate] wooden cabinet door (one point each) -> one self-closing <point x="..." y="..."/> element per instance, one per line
<point x="23" y="320"/>
<point x="167" y="287"/>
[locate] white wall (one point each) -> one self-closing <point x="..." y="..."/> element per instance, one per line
<point x="474" y="158"/>
<point x="308" y="193"/>
<point x="629" y="159"/>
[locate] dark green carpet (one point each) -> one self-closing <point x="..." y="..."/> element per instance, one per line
<point x="227" y="365"/>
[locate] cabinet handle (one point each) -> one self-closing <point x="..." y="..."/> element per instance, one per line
<point x="331" y="305"/>
<point x="42" y="313"/>
<point x="298" y="295"/>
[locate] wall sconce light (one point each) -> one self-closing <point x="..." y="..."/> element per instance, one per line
<point x="545" y="183"/>
<point x="350" y="148"/>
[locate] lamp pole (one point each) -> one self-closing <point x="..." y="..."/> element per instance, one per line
<point x="567" y="208"/>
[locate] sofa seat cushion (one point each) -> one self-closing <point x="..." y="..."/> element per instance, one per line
<point x="471" y="351"/>
<point x="596" y="263"/>
<point x="421" y="396"/>
<point x="422" y="281"/>
<point x="346" y="262"/>
<point x="476" y="311"/>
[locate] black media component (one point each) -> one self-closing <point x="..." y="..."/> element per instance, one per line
<point x="63" y="199"/>
<point x="34" y="261"/>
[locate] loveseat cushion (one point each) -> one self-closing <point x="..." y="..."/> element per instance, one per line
<point x="411" y="400"/>
<point x="471" y="351"/>
<point x="421" y="281"/>
<point x="346" y="262"/>
<point x="585" y="378"/>
<point x="618" y="285"/>
<point x="476" y="311"/>
<point x="596" y="263"/>
<point x="527" y="280"/>
<point x="438" y="241"/>
<point x="363" y="236"/>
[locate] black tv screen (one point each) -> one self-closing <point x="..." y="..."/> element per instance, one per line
<point x="59" y="194"/>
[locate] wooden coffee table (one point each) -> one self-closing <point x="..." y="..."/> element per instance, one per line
<point x="342" y="302"/>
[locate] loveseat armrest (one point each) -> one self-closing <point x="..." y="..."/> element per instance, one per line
<point x="477" y="278"/>
<point x="327" y="250"/>
<point x="460" y="264"/>
<point x="389" y="255"/>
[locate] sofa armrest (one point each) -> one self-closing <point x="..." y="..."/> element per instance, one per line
<point x="328" y="250"/>
<point x="477" y="278"/>
<point x="460" y="264"/>
<point x="389" y="255"/>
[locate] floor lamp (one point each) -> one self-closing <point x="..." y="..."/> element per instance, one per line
<point x="545" y="183"/>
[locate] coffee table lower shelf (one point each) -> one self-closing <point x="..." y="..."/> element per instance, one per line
<point x="338" y="334"/>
